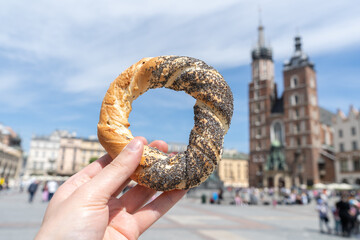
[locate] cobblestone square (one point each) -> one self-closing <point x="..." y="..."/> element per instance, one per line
<point x="189" y="220"/>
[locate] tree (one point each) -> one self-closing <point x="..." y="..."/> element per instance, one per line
<point x="93" y="159"/>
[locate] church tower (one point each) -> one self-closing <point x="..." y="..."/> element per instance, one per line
<point x="301" y="117"/>
<point x="262" y="92"/>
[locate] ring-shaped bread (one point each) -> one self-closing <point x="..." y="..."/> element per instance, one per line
<point x="213" y="111"/>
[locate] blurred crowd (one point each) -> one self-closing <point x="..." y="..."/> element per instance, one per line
<point x="338" y="211"/>
<point x="48" y="189"/>
<point x="344" y="213"/>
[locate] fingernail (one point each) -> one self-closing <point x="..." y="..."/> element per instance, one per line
<point x="134" y="145"/>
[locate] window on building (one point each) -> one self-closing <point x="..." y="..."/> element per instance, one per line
<point x="313" y="100"/>
<point x="277" y="133"/>
<point x="296" y="114"/>
<point x="298" y="141"/>
<point x="356" y="163"/>
<point x="258" y="145"/>
<point x="343" y="165"/>
<point x="256" y="94"/>
<point x="256" y="69"/>
<point x="304" y="142"/>
<point x="353" y="131"/>
<point x="265" y="68"/>
<point x="302" y="126"/>
<point x="312" y="82"/>
<point x="294" y="81"/>
<point x="258" y="132"/>
<point x="341" y="147"/>
<point x="294" y="100"/>
<point x="340" y="133"/>
<point x="296" y="128"/>
<point x="354" y="145"/>
<point x="258" y="120"/>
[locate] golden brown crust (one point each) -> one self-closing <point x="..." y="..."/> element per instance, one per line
<point x="213" y="111"/>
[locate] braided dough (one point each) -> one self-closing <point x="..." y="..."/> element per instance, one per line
<point x="213" y="111"/>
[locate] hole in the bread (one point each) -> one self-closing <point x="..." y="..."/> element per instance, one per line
<point x="108" y="122"/>
<point x="163" y="114"/>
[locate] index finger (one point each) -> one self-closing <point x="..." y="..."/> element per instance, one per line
<point x="84" y="175"/>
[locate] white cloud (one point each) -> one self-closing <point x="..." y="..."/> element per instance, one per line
<point x="88" y="43"/>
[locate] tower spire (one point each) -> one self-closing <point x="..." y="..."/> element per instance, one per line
<point x="261" y="39"/>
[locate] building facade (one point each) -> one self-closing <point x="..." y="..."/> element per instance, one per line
<point x="290" y="135"/>
<point x="11" y="156"/>
<point x="43" y="154"/>
<point x="347" y="143"/>
<point x="76" y="153"/>
<point x="233" y="169"/>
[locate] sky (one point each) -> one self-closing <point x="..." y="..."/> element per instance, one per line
<point x="57" y="58"/>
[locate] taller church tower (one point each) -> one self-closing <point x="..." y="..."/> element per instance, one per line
<point x="262" y="92"/>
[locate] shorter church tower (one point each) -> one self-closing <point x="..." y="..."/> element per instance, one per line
<point x="301" y="116"/>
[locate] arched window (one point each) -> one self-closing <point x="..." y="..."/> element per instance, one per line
<point x="294" y="99"/>
<point x="294" y="81"/>
<point x="277" y="133"/>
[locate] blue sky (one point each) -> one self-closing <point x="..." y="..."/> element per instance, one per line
<point x="57" y="58"/>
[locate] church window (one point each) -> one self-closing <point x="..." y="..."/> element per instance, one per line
<point x="298" y="142"/>
<point x="277" y="133"/>
<point x="304" y="141"/>
<point x="258" y="134"/>
<point x="258" y="120"/>
<point x="256" y="69"/>
<point x="313" y="100"/>
<point x="302" y="112"/>
<point x="265" y="68"/>
<point x="258" y="145"/>
<point x="312" y="82"/>
<point x="256" y="107"/>
<point x="294" y="81"/>
<point x="297" y="128"/>
<point x="294" y="100"/>
<point x="256" y="94"/>
<point x="292" y="142"/>
<point x="296" y="114"/>
<point x="302" y="126"/>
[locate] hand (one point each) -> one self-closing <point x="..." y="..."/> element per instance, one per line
<point x="86" y="205"/>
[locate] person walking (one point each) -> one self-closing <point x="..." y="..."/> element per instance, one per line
<point x="52" y="187"/>
<point x="32" y="190"/>
<point x="45" y="193"/>
<point x="344" y="207"/>
<point x="323" y="209"/>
